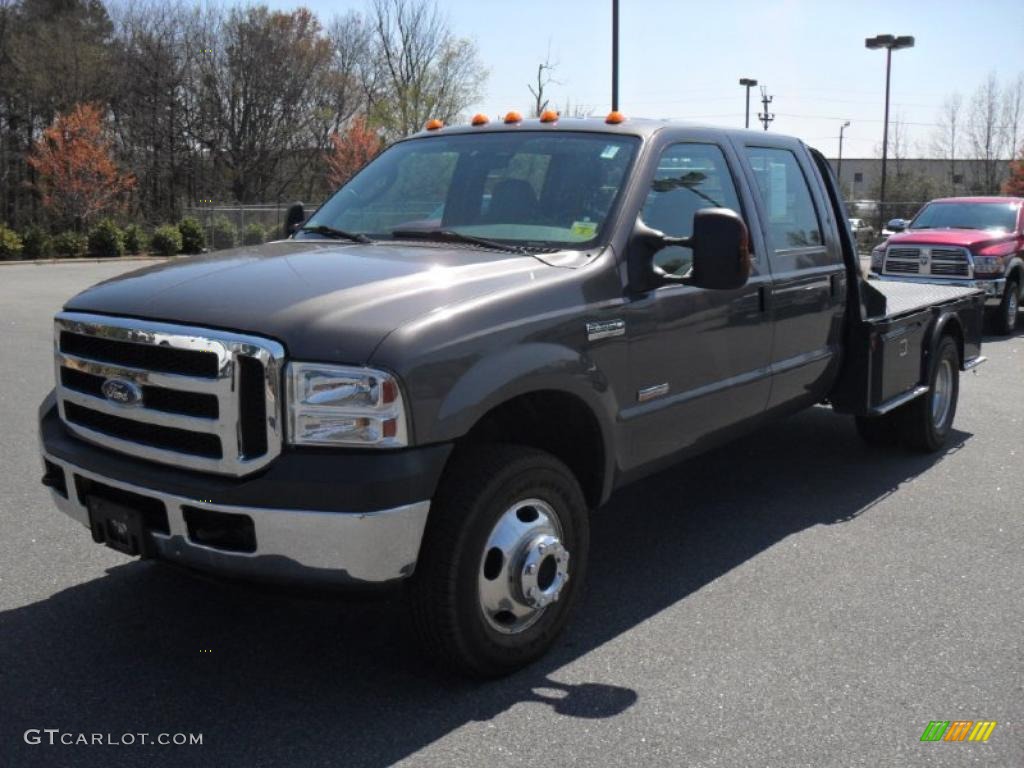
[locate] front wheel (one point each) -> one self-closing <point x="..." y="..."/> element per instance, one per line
<point x="503" y="560"/>
<point x="925" y="423"/>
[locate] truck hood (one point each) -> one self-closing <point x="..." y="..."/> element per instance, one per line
<point x="323" y="300"/>
<point x="967" y="238"/>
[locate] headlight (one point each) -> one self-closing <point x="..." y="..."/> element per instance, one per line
<point x="877" y="258"/>
<point x="341" y="405"/>
<point x="988" y="265"/>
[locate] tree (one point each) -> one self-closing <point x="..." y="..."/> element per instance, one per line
<point x="576" y="110"/>
<point x="351" y="152"/>
<point x="544" y="79"/>
<point x="260" y="102"/>
<point x="1013" y="112"/>
<point x="986" y="135"/>
<point x="1015" y="184"/>
<point x="77" y="177"/>
<point x="947" y="136"/>
<point x="54" y="54"/>
<point x="149" y="115"/>
<point x="417" y="69"/>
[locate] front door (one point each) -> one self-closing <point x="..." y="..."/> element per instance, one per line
<point x="699" y="358"/>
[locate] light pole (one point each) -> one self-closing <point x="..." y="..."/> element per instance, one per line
<point x="615" y="55"/>
<point x="839" y="165"/>
<point x="749" y="82"/>
<point x="890" y="43"/>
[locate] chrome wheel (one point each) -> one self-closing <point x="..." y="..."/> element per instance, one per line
<point x="942" y="391"/>
<point x="1012" y="305"/>
<point x="523" y="568"/>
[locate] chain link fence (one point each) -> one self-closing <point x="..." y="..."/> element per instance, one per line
<point x="227" y="225"/>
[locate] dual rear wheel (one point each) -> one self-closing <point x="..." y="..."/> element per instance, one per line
<point x="924" y="423"/>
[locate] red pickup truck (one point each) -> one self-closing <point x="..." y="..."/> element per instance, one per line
<point x="967" y="241"/>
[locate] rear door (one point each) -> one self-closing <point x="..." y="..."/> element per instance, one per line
<point x="808" y="285"/>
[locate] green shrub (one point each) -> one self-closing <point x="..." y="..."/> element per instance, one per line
<point x="193" y="239"/>
<point x="10" y="244"/>
<point x="224" y="234"/>
<point x="167" y="240"/>
<point x="38" y="243"/>
<point x="71" y="244"/>
<point x="254" y="234"/>
<point x="135" y="239"/>
<point x="106" y="240"/>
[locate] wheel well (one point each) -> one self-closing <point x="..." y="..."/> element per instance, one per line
<point x="556" y="422"/>
<point x="1017" y="273"/>
<point x="952" y="328"/>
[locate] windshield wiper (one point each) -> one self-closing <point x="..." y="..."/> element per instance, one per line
<point x="451" y="236"/>
<point x="338" y="234"/>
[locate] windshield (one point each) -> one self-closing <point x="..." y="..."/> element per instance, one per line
<point x="967" y="216"/>
<point x="529" y="188"/>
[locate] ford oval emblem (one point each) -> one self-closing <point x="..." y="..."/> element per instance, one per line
<point x="122" y="392"/>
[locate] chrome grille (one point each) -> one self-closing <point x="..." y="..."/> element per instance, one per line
<point x="937" y="262"/>
<point x="950" y="262"/>
<point x="902" y="261"/>
<point x="206" y="400"/>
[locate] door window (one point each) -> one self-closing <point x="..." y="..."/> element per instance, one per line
<point x="789" y="209"/>
<point x="689" y="177"/>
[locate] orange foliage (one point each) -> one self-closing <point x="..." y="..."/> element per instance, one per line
<point x="1015" y="184"/>
<point x="351" y="152"/>
<point x="77" y="177"/>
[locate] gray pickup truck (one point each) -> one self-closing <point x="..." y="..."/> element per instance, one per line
<point x="437" y="376"/>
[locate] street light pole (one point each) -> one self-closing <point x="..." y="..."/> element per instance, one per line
<point x="615" y="55"/>
<point x="890" y="43"/>
<point x="839" y="165"/>
<point x="749" y="82"/>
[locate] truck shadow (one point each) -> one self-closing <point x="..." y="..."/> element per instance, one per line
<point x="277" y="679"/>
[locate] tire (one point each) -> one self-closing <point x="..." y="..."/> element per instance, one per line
<point x="518" y="498"/>
<point x="879" y="431"/>
<point x="1006" y="317"/>
<point x="924" y="424"/>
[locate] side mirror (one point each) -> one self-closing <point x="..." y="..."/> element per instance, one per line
<point x="294" y="218"/>
<point x="721" y="252"/>
<point x="896" y="225"/>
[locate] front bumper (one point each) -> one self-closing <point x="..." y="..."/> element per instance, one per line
<point x="993" y="288"/>
<point x="338" y="536"/>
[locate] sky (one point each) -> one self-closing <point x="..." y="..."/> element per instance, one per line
<point x="683" y="59"/>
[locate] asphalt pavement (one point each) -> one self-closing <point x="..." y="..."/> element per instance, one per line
<point x="793" y="599"/>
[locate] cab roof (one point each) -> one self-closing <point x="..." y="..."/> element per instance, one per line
<point x="981" y="199"/>
<point x="631" y="126"/>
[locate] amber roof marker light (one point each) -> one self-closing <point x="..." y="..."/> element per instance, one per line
<point x="480" y="119"/>
<point x="513" y="117"/>
<point x="549" y="116"/>
<point x="434" y="125"/>
<point x="615" y="117"/>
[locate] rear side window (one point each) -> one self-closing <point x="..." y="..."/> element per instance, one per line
<point x="689" y="177"/>
<point x="789" y="209"/>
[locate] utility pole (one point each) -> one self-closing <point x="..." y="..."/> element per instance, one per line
<point x="839" y="165"/>
<point x="749" y="82"/>
<point x="615" y="55"/>
<point x="766" y="117"/>
<point x="890" y="43"/>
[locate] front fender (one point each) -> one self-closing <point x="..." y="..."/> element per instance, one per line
<point x="527" y="368"/>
